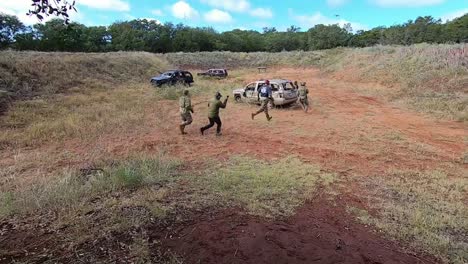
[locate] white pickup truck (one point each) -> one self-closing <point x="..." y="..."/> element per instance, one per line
<point x="283" y="92"/>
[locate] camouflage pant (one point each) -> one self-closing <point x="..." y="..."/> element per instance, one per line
<point x="264" y="107"/>
<point x="186" y="118"/>
<point x="304" y="101"/>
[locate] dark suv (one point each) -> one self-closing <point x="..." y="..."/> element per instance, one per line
<point x="173" y="77"/>
<point x="222" y="73"/>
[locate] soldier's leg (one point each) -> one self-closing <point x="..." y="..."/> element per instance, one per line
<point x="266" y="111"/>
<point x="182" y="117"/>
<point x="301" y="102"/>
<point x="188" y="119"/>
<point x="262" y="108"/>
<point x="182" y="124"/>
<point x="211" y="124"/>
<point x="218" y="122"/>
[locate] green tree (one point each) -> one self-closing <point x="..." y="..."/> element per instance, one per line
<point x="327" y="37"/>
<point x="97" y="39"/>
<point x="457" y="30"/>
<point x="10" y="26"/>
<point x="56" y="36"/>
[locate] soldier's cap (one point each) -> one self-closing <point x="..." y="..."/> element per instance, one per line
<point x="303" y="83"/>
<point x="186" y="92"/>
<point x="267" y="82"/>
<point x="218" y="94"/>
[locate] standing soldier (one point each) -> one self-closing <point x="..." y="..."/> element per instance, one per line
<point x="186" y="110"/>
<point x="303" y="97"/>
<point x="265" y="96"/>
<point x="213" y="113"/>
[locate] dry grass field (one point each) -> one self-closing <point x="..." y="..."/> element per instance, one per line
<point x="92" y="168"/>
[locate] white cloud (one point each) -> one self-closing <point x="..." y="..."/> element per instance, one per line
<point x="157" y="12"/>
<point x="407" y="3"/>
<point x="240" y="6"/>
<point x="230" y="5"/>
<point x="453" y="15"/>
<point x="115" y="5"/>
<point x="261" y="12"/>
<point x="183" y="10"/>
<point x="308" y="21"/>
<point x="336" y="3"/>
<point x="217" y="16"/>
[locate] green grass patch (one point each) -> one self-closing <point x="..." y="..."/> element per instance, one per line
<point x="263" y="188"/>
<point x="73" y="190"/>
<point x="425" y="209"/>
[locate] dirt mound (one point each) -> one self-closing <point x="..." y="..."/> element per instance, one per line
<point x="318" y="233"/>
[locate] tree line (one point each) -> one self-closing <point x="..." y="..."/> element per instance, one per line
<point x="152" y="36"/>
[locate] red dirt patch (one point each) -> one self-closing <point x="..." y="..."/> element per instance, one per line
<point x="318" y="233"/>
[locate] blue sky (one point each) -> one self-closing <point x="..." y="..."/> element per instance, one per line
<point x="255" y="14"/>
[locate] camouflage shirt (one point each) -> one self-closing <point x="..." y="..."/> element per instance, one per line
<point x="185" y="104"/>
<point x="303" y="92"/>
<point x="214" y="106"/>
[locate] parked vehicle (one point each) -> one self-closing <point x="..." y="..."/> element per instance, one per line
<point x="173" y="77"/>
<point x="283" y="92"/>
<point x="222" y="73"/>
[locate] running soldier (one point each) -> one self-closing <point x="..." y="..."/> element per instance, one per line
<point x="303" y="99"/>
<point x="265" y="96"/>
<point x="186" y="110"/>
<point x="213" y="114"/>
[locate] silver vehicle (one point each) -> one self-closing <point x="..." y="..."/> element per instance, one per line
<point x="283" y="91"/>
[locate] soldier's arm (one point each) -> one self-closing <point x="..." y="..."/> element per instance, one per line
<point x="223" y="104"/>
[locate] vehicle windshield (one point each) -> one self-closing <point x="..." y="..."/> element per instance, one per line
<point x="274" y="87"/>
<point x="288" y="86"/>
<point x="167" y="74"/>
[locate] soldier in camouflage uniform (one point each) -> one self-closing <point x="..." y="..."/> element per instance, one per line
<point x="186" y="110"/>
<point x="213" y="113"/>
<point x="303" y="97"/>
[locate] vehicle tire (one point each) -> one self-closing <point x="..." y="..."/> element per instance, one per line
<point x="237" y="98"/>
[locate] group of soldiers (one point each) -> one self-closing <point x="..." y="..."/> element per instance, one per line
<point x="264" y="96"/>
